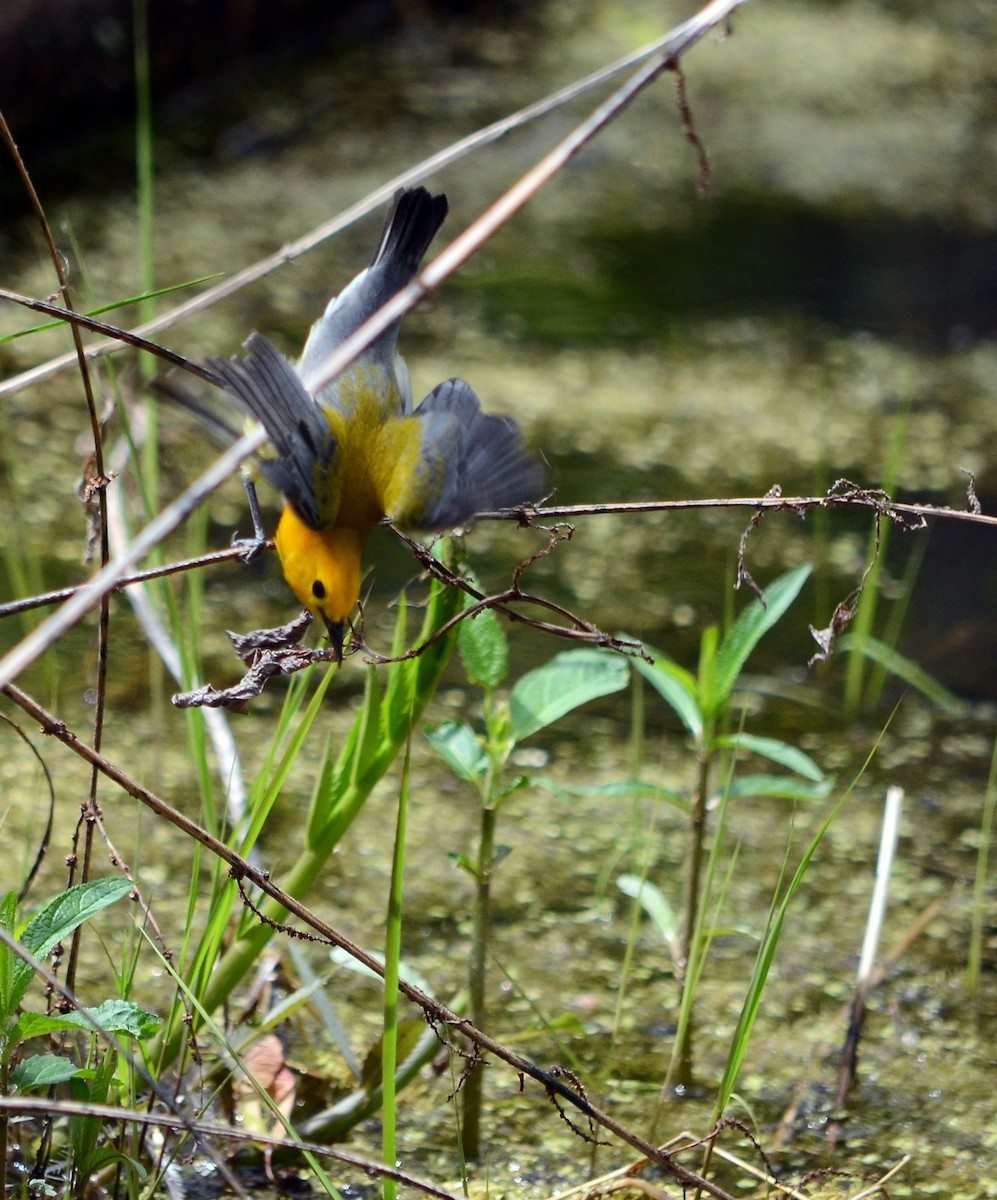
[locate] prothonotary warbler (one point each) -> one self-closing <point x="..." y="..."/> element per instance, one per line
<point x="358" y="451"/>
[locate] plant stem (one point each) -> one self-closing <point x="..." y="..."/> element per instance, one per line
<point x="693" y="884"/>
<point x="474" y="1080"/>
<point x="392" y="957"/>
<point x="4" y="1091"/>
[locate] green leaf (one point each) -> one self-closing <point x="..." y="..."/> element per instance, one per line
<point x="514" y="785"/>
<point x="746" y="632"/>
<point x="625" y="789"/>
<point x="409" y="1035"/>
<point x="706" y="671"/>
<point x="57" y="920"/>
<point x="904" y="668"/>
<point x="565" y="1023"/>
<point x="776" y="751"/>
<point x="43" y="1070"/>
<point x="460" y="748"/>
<point x="566" y="682"/>
<point x="127" y="1017"/>
<point x="653" y="901"/>
<point x="676" y="686"/>
<point x="69" y="910"/>
<point x="103" y="1157"/>
<point x="465" y="863"/>
<point x="342" y="958"/>
<point x="780" y="787"/>
<point x="8" y="960"/>
<point x="31" y="1024"/>
<point x="484" y="650"/>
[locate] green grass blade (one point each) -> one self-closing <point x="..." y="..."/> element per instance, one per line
<point x="392" y="960"/>
<point x="770" y="941"/>
<point x="141" y="298"/>
<point x="341" y="792"/>
<point x="763" y="963"/>
<point x="905" y="669"/>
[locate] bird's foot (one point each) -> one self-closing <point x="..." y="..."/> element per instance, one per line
<point x="249" y="548"/>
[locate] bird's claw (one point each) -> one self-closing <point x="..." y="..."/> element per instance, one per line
<point x="249" y="548"/>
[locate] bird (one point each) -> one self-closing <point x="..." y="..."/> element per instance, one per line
<point x="358" y="452"/>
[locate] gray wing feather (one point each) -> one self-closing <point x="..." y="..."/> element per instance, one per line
<point x="486" y="464"/>
<point x="266" y="386"/>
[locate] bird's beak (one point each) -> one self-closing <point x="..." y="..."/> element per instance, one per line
<point x="337" y="635"/>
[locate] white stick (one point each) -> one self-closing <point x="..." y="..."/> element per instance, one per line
<point x="880" y="891"/>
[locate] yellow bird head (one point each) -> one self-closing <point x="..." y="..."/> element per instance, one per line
<point x="323" y="569"/>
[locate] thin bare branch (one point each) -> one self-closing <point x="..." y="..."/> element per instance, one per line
<point x="120" y="337"/>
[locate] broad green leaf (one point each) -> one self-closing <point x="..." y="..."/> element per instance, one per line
<point x="904" y="668"/>
<point x="776" y="751"/>
<point x="465" y="863"/>
<point x="780" y="787"/>
<point x="484" y="650"/>
<point x="569" y="680"/>
<point x="59" y="918"/>
<point x="409" y="1035"/>
<point x="32" y="1024"/>
<point x="69" y="910"/>
<point x="746" y="632"/>
<point x="125" y="1016"/>
<point x="624" y="788"/>
<point x="43" y="1070"/>
<point x="676" y="686"/>
<point x="460" y="748"/>
<point x="565" y="1023"/>
<point x="653" y="901"/>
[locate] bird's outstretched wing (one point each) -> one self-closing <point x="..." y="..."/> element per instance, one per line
<point x="467" y="462"/>
<point x="304" y="468"/>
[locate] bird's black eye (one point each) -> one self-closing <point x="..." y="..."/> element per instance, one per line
<point x="318" y="589"/>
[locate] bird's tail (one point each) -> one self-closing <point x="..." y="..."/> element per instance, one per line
<point x="411" y="226"/>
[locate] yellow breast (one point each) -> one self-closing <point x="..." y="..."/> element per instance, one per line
<point x="376" y="445"/>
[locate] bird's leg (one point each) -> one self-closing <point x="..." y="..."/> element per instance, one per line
<point x="250" y="548"/>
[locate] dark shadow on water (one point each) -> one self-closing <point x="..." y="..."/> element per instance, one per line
<point x="918" y="281"/>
